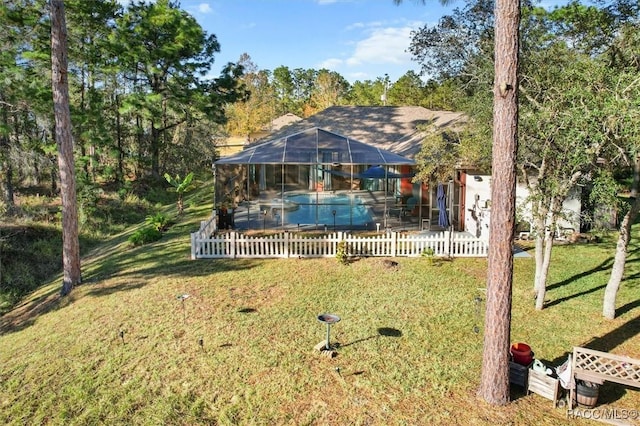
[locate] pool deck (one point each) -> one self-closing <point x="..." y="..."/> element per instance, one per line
<point x="251" y="214"/>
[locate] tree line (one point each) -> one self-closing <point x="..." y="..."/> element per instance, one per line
<point x="140" y="103"/>
<point x="566" y="90"/>
<point x="578" y="127"/>
<point x="143" y="104"/>
<point x="137" y="98"/>
<point x="305" y="92"/>
<point x="142" y="98"/>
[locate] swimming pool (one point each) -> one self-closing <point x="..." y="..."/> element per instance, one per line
<point x="349" y="210"/>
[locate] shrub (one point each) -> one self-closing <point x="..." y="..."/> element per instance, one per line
<point x="341" y="253"/>
<point x="428" y="252"/>
<point x="145" y="236"/>
<point x="159" y="221"/>
<point x="88" y="198"/>
<point x="125" y="191"/>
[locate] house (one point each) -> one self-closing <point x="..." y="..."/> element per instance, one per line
<point x="394" y="129"/>
<point x="391" y="195"/>
<point x="477" y="200"/>
<point x="311" y="177"/>
<point x="393" y="198"/>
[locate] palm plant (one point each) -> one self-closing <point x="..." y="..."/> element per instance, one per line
<point x="180" y="186"/>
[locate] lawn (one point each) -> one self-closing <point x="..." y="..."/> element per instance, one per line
<point x="126" y="348"/>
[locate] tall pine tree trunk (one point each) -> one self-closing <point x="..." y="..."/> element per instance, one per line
<point x="620" y="258"/>
<point x="155" y="151"/>
<point x="120" y="169"/>
<point x="60" y="87"/>
<point x="5" y="157"/>
<point x="8" y="198"/>
<point x="494" y="382"/>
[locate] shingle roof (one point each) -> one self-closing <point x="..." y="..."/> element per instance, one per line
<point x="284" y="120"/>
<point x="314" y="146"/>
<point x="390" y="128"/>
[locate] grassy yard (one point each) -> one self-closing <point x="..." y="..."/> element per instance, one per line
<point x="124" y="349"/>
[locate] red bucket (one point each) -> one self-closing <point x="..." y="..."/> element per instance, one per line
<point x="521" y="353"/>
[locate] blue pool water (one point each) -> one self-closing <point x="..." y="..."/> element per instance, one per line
<point x="350" y="210"/>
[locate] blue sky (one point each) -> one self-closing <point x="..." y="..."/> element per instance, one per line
<point x="360" y="39"/>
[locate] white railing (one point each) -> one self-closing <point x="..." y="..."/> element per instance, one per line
<point x="207" y="228"/>
<point x="289" y="244"/>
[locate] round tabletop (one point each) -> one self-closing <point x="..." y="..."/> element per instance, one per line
<point x="328" y="318"/>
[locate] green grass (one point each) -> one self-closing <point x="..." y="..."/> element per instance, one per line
<point x="30" y="240"/>
<point x="408" y="353"/>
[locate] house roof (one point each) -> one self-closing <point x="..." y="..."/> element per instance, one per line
<point x="314" y="146"/>
<point x="284" y="120"/>
<point x="394" y="129"/>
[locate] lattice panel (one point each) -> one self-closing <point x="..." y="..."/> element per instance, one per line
<point x="625" y="369"/>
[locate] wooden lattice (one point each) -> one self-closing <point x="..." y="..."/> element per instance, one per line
<point x="596" y="366"/>
<point x="604" y="366"/>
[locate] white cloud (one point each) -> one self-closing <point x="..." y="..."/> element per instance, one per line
<point x="359" y="76"/>
<point x="204" y="8"/>
<point x="331" y="63"/>
<point x="355" y="26"/>
<point x="383" y="46"/>
<point x="375" y="48"/>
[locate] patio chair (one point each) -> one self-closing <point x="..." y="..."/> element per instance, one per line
<point x="411" y="205"/>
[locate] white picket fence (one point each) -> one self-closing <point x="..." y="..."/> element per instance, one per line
<point x="206" y="245"/>
<point x="207" y="228"/>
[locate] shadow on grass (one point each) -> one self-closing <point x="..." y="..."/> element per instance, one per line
<point x="628" y="307"/>
<point x="135" y="265"/>
<point x="382" y="332"/>
<point x="389" y="332"/>
<point x="605" y="265"/>
<point x="25" y="314"/>
<point x="105" y="291"/>
<point x="573" y="296"/>
<point x="632" y="279"/>
<point x="116" y="258"/>
<point x="629" y="280"/>
<point x="606" y="342"/>
<point x="610" y="392"/>
<point x="169" y="256"/>
<point x="615" y="337"/>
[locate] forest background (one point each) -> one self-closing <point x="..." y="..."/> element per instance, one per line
<point x="143" y="105"/>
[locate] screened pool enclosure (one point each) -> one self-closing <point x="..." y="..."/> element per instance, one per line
<point x="316" y="179"/>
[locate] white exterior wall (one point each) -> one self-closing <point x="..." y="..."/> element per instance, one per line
<point x="478" y="205"/>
